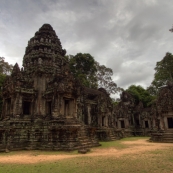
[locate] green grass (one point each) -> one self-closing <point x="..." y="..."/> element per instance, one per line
<point x="119" y="143"/>
<point x="148" y="162"/>
<point x="134" y="138"/>
<point x="113" y="144"/>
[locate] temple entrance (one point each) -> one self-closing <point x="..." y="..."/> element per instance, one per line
<point x="170" y="122"/>
<point x="8" y="106"/>
<point x="146" y="124"/>
<point x="66" y="107"/>
<point x="122" y="123"/>
<point x="26" y="108"/>
<point x="103" y="121"/>
<point x="49" y="108"/>
<point x="137" y="122"/>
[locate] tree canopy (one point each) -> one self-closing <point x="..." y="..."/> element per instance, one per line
<point x="104" y="78"/>
<point x="140" y="94"/>
<point x="83" y="67"/>
<point x="5" y="67"/>
<point x="91" y="73"/>
<point x="163" y="74"/>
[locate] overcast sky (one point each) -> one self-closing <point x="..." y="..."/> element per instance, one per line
<point x="129" y="36"/>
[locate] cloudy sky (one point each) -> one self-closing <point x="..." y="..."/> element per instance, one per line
<point x="129" y="36"/>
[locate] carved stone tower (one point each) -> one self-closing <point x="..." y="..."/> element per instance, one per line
<point x="44" y="87"/>
<point x="41" y="101"/>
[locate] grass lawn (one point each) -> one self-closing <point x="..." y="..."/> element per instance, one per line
<point x="159" y="161"/>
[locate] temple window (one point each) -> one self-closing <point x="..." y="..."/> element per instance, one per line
<point x="49" y="108"/>
<point x="122" y="123"/>
<point x="170" y="122"/>
<point x="26" y="108"/>
<point x="103" y="121"/>
<point x="66" y="107"/>
<point x="8" y="106"/>
<point x="137" y="122"/>
<point x="146" y="124"/>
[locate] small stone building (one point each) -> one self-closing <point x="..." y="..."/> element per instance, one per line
<point x="163" y="116"/>
<point x="131" y="117"/>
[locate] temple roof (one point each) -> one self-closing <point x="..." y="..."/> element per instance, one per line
<point x="44" y="48"/>
<point x="45" y="40"/>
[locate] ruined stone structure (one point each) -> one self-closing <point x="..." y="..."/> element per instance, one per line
<point x="163" y="116"/>
<point x="42" y="101"/>
<point x="98" y="113"/>
<point x="46" y="108"/>
<point x="132" y="118"/>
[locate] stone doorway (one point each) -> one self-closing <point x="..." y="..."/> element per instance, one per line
<point x="49" y="108"/>
<point x="146" y="124"/>
<point x="122" y="123"/>
<point x="66" y="107"/>
<point x="8" y="106"/>
<point x="26" y="108"/>
<point x="170" y="122"/>
<point x="103" y="121"/>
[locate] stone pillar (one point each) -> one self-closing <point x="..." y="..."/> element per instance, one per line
<point x="126" y="123"/>
<point x="40" y="86"/>
<point x="75" y="108"/>
<point x="162" y="125"/>
<point x="106" y="121"/>
<point x="16" y="105"/>
<point x="19" y="108"/>
<point x="119" y="124"/>
<point x="61" y="105"/>
<point x="100" y="120"/>
<point x="166" y="122"/>
<point x="55" y="108"/>
<point x="89" y="114"/>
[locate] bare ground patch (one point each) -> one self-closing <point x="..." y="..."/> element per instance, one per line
<point x="134" y="147"/>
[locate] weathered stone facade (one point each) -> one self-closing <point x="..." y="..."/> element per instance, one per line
<point x="132" y="118"/>
<point x="46" y="108"/>
<point x="163" y="116"/>
<point x="41" y="101"/>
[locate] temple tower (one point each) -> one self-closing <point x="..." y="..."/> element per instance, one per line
<point x="44" y="86"/>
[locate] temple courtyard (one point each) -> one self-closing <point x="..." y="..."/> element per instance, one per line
<point x="135" y="154"/>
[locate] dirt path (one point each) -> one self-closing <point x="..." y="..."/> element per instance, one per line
<point x="134" y="147"/>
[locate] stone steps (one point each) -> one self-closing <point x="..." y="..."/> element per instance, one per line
<point x="162" y="136"/>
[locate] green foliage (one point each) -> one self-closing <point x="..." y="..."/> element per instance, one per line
<point x="83" y="67"/>
<point x="163" y="74"/>
<point x="104" y="78"/>
<point x="2" y="78"/>
<point x="115" y="102"/>
<point x="140" y="94"/>
<point x="91" y="74"/>
<point x="5" y="67"/>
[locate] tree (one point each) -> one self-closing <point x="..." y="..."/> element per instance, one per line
<point x="83" y="68"/>
<point x="140" y="94"/>
<point x="163" y="74"/>
<point x="5" y="67"/>
<point x="104" y="78"/>
<point x="91" y="74"/>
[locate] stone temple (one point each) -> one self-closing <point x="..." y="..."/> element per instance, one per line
<point x="46" y="108"/>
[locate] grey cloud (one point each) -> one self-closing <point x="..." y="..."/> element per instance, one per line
<point x="114" y="32"/>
